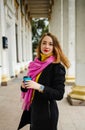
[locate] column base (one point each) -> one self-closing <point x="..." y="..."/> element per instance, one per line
<point x="3" y="83"/>
<point x="21" y="69"/>
<point x="77" y="96"/>
<point x="4" y="80"/>
<point x="70" y="80"/>
<point x="16" y="73"/>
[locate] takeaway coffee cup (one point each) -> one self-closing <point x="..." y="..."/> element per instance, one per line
<point x="26" y="78"/>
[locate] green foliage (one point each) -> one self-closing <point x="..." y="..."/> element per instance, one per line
<point x="39" y="27"/>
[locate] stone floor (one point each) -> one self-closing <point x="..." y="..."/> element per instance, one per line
<point x="71" y="117"/>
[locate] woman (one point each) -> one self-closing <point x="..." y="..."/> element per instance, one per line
<point x="47" y="85"/>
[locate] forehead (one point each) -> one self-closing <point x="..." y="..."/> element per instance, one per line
<point x="47" y="38"/>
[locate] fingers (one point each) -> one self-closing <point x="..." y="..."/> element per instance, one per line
<point x="23" y="85"/>
<point x="31" y="84"/>
<point x="27" y="84"/>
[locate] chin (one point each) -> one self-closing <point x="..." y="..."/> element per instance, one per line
<point x="46" y="53"/>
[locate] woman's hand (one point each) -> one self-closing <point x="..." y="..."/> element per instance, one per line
<point x="32" y="84"/>
<point x="23" y="85"/>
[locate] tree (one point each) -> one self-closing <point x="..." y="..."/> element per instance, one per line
<point x="39" y="27"/>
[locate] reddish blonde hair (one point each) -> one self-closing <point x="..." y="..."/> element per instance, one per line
<point x="57" y="51"/>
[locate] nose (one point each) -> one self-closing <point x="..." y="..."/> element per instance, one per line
<point x="47" y="45"/>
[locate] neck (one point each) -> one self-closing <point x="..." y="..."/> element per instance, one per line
<point x="44" y="56"/>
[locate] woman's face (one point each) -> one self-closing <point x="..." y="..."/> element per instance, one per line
<point x="47" y="45"/>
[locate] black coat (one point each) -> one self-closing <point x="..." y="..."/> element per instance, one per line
<point x="43" y="114"/>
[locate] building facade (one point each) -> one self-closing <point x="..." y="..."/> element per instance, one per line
<point x="15" y="32"/>
<point x="66" y="21"/>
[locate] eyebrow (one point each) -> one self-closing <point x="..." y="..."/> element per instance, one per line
<point x="46" y="41"/>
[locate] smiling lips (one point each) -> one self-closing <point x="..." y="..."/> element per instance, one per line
<point x="46" y="50"/>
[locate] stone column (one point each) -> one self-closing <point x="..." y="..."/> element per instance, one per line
<point x="77" y="96"/>
<point x="80" y="42"/>
<point x="65" y="31"/>
<point x="65" y="27"/>
<point x="0" y="38"/>
<point x="71" y="38"/>
<point x="29" y="42"/>
<point x="19" y="36"/>
<point x="55" y="21"/>
<point x="3" y="52"/>
<point x="62" y="24"/>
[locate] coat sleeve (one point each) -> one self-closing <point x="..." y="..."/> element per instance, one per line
<point x="57" y="89"/>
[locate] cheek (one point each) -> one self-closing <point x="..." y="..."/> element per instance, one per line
<point x="42" y="47"/>
<point x="52" y="48"/>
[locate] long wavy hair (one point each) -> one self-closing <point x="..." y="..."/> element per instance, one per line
<point x="57" y="50"/>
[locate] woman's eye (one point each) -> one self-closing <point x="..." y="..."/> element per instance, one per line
<point x="51" y="44"/>
<point x="43" y="43"/>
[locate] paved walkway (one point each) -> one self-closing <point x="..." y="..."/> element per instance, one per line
<point x="71" y="117"/>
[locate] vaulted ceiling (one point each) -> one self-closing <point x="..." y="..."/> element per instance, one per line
<point x="39" y="8"/>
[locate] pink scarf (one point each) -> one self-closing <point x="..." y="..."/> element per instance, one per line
<point x="35" y="67"/>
